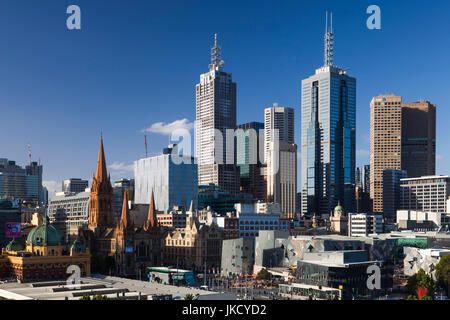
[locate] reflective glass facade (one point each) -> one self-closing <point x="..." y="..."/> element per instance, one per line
<point x="328" y="128"/>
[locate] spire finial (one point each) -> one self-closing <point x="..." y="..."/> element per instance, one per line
<point x="329" y="41"/>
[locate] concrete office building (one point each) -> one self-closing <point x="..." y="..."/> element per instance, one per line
<point x="69" y="212"/>
<point x="19" y="183"/>
<point x="402" y="137"/>
<point x="279" y="125"/>
<point x="328" y="133"/>
<point x="391" y="192"/>
<point x="249" y="157"/>
<point x="250" y="222"/>
<point x="385" y="143"/>
<point x="215" y="114"/>
<point x="364" y="224"/>
<point x="421" y="221"/>
<point x="429" y="193"/>
<point x="282" y="177"/>
<point x="74" y="185"/>
<point x="173" y="184"/>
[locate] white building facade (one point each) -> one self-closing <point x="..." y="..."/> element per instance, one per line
<point x="173" y="183"/>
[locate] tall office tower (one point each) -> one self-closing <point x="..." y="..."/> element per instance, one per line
<point x="281" y="119"/>
<point x="328" y="137"/>
<point x="385" y="143"/>
<point x="119" y="188"/>
<point x="74" y="185"/>
<point x="17" y="183"/>
<point x="35" y="169"/>
<point x="215" y="113"/>
<point x="391" y="192"/>
<point x="419" y="139"/>
<point x="282" y="176"/>
<point x="249" y="145"/>
<point x="362" y="178"/>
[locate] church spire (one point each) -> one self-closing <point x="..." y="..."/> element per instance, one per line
<point x="101" y="173"/>
<point x="152" y="221"/>
<point x="125" y="219"/>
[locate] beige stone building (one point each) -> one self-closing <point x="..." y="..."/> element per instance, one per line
<point x="282" y="176"/>
<point x="402" y="137"/>
<point x="195" y="246"/>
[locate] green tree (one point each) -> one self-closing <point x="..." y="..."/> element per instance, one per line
<point x="189" y="296"/>
<point x="99" y="297"/>
<point x="85" y="297"/>
<point x="421" y="279"/>
<point x="443" y="273"/>
<point x="263" y="274"/>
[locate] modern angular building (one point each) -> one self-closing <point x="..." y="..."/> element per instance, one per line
<point x="328" y="129"/>
<point x="249" y="144"/>
<point x="173" y="183"/>
<point x="215" y="115"/>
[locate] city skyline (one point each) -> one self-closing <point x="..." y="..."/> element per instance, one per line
<point x="64" y="138"/>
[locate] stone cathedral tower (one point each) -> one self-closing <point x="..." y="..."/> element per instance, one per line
<point x="101" y="212"/>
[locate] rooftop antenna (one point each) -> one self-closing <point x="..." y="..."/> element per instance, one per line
<point x="29" y="153"/>
<point x="145" y="142"/>
<point x="216" y="61"/>
<point x="329" y="41"/>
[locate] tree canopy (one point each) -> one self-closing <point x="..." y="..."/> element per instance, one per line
<point x="421" y="286"/>
<point x="443" y="273"/>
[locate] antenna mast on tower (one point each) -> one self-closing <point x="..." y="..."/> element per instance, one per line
<point x="329" y="42"/>
<point x="29" y="153"/>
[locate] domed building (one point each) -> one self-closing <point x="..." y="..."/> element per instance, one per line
<point x="44" y="256"/>
<point x="339" y="221"/>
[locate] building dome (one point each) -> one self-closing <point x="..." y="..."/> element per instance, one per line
<point x="45" y="234"/>
<point x="338" y="209"/>
<point x="14" y="245"/>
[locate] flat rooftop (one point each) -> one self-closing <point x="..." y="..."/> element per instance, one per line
<point x="112" y="287"/>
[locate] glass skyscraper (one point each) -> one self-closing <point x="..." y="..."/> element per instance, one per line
<point x="328" y="128"/>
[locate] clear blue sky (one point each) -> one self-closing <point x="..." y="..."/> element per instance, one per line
<point x="135" y="63"/>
